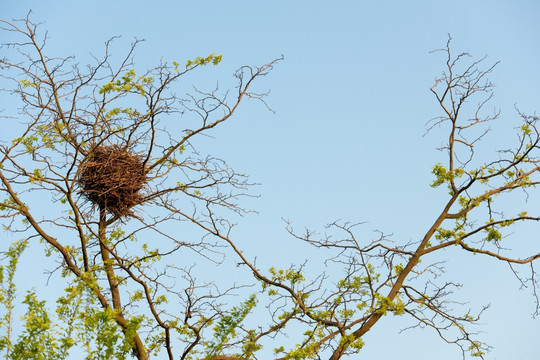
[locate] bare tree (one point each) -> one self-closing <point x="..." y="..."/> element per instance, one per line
<point x="121" y="184"/>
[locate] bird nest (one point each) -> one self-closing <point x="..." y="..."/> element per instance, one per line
<point x="111" y="178"/>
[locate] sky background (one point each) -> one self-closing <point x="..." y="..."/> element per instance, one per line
<point x="351" y="101"/>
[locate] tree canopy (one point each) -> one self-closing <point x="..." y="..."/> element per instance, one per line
<point x="113" y="151"/>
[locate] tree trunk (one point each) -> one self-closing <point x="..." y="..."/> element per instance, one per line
<point x="138" y="347"/>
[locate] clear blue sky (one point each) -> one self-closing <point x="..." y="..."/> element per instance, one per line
<point x="351" y="100"/>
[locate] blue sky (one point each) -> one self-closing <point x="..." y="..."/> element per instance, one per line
<point x="351" y="100"/>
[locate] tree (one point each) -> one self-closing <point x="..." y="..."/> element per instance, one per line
<point x="113" y="151"/>
<point x="114" y="173"/>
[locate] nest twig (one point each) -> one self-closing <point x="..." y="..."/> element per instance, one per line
<point x="111" y="178"/>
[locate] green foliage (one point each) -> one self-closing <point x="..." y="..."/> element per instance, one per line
<point x="525" y="129"/>
<point x="384" y="305"/>
<point x="444" y="234"/>
<point x="129" y="112"/>
<point x="310" y="347"/>
<point x="354" y="283"/>
<point x="201" y="61"/>
<point x="356" y="344"/>
<point x="78" y="321"/>
<point x="36" y="176"/>
<point x="289" y="275"/>
<point x="42" y="136"/>
<point x="40" y="339"/>
<point x="7" y="292"/>
<point x="398" y="268"/>
<point x="250" y="345"/>
<point x="125" y="84"/>
<point x="27" y="83"/>
<point x="476" y="349"/>
<point x="227" y="326"/>
<point x="493" y="234"/>
<point x="93" y="328"/>
<point x="442" y="175"/>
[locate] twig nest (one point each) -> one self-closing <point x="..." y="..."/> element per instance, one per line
<point x="111" y="178"/>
